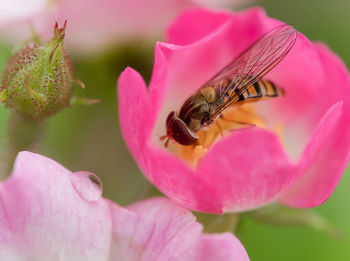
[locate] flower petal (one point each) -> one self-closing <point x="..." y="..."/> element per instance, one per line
<point x="217" y="247"/>
<point x="324" y="160"/>
<point x="193" y="25"/>
<point x="327" y="153"/>
<point x="42" y="217"/>
<point x="157" y="229"/>
<point x="20" y="9"/>
<point x="250" y="168"/>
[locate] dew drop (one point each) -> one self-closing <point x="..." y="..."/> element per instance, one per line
<point x="87" y="184"/>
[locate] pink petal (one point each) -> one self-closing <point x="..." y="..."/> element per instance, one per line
<point x="157" y="229"/>
<point x="42" y="217"/>
<point x="323" y="161"/>
<point x="139" y="119"/>
<point x="193" y="25"/>
<point x="245" y="176"/>
<point x="327" y="153"/>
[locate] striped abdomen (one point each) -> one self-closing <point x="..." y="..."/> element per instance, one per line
<point x="260" y="89"/>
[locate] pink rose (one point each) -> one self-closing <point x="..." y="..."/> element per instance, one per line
<point x="49" y="213"/>
<point x="298" y="166"/>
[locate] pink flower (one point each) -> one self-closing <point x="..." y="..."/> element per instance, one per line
<point x="298" y="166"/>
<point x="93" y="24"/>
<point x="49" y="213"/>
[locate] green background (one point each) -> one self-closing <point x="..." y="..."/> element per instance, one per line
<point x="89" y="138"/>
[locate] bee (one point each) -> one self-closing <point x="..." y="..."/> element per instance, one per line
<point x="237" y="82"/>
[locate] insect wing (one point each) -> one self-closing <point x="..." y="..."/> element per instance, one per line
<point x="251" y="65"/>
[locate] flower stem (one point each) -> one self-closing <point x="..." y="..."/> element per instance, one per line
<point x="218" y="223"/>
<point x="23" y="134"/>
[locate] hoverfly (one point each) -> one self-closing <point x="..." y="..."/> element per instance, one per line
<point x="240" y="80"/>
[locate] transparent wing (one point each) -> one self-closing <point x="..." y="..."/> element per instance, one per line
<point x="251" y="65"/>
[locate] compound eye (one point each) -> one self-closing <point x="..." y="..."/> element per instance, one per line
<point x="182" y="134"/>
<point x="170" y="118"/>
<point x="169" y="122"/>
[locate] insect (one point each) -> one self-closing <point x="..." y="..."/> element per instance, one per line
<point x="239" y="81"/>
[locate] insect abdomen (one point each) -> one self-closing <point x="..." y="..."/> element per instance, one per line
<point x="260" y="89"/>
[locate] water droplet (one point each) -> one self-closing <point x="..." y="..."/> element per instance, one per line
<point x="87" y="184"/>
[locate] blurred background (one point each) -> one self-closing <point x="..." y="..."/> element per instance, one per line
<point x="89" y="137"/>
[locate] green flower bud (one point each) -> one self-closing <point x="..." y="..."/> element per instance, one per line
<point x="38" y="79"/>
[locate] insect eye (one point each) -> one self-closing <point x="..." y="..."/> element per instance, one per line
<point x="170" y="117"/>
<point x="181" y="133"/>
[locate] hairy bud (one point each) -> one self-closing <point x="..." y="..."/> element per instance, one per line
<point x="38" y="79"/>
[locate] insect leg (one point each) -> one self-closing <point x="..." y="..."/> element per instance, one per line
<point x="220" y="129"/>
<point x="237" y="122"/>
<point x="167" y="140"/>
<point x="166" y="143"/>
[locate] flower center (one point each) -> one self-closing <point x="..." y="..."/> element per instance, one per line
<point x="240" y="116"/>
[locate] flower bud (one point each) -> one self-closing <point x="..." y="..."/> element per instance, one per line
<point x="38" y="79"/>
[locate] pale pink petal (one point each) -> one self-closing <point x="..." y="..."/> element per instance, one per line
<point x="218" y="247"/>
<point x="13" y="10"/>
<point x="159" y="230"/>
<point x="94" y="24"/>
<point x="49" y="213"/>
<point x="222" y="3"/>
<point x="43" y="217"/>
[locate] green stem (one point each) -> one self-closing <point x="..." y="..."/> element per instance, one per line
<point x="23" y="134"/>
<point x="277" y="215"/>
<point x="218" y="223"/>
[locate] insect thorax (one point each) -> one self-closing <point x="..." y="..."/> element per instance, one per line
<point x="197" y="109"/>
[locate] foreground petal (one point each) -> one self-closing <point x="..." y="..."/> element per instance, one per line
<point x="42" y="217"/>
<point x="157" y="229"/>
<point x="49" y="213"/>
